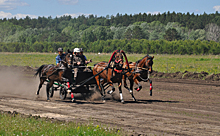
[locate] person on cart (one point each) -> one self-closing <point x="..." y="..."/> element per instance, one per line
<point x="60" y="56"/>
<point x="78" y="62"/>
<point x="81" y="53"/>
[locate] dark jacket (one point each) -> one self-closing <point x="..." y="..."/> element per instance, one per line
<point x="78" y="58"/>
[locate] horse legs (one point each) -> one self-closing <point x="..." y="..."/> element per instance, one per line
<point x="100" y="87"/>
<point x="131" y="89"/>
<point x="126" y="86"/>
<point x="49" y="85"/>
<point x="139" y="85"/>
<point x="120" y="93"/>
<point x="151" y="87"/>
<point x="102" y="92"/>
<point x="113" y="89"/>
<point x="42" y="79"/>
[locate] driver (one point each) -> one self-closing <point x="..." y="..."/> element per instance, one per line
<point x="60" y="56"/>
<point x="81" y="53"/>
<point x="78" y="60"/>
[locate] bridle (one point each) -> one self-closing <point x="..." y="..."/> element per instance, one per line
<point x="117" y="62"/>
<point x="69" y="63"/>
<point x="143" y="69"/>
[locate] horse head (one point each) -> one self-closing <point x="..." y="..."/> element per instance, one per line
<point x="149" y="63"/>
<point x="118" y="59"/>
<point x="146" y="63"/>
<point x="69" y="59"/>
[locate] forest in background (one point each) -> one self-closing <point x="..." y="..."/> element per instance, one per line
<point x="169" y="33"/>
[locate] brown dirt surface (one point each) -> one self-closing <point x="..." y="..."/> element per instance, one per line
<point x="182" y="103"/>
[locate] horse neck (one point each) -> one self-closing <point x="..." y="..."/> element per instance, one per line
<point x="65" y="62"/>
<point x="142" y="62"/>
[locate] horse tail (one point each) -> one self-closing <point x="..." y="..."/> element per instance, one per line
<point x="39" y="70"/>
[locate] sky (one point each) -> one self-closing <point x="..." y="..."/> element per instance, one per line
<point x="57" y="8"/>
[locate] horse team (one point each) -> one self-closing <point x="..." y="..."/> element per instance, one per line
<point x="108" y="73"/>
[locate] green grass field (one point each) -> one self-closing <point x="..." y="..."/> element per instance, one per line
<point x="162" y="63"/>
<point x="17" y="125"/>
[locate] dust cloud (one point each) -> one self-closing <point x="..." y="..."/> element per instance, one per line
<point x="20" y="82"/>
<point x="14" y="82"/>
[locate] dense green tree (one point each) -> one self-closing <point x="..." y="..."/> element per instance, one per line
<point x="171" y="34"/>
<point x="128" y="34"/>
<point x="137" y="33"/>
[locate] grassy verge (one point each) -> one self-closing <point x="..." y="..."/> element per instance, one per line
<point x="162" y="63"/>
<point x="16" y="124"/>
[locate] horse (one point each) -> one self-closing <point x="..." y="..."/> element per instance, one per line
<point x="109" y="73"/>
<point x="55" y="73"/>
<point x="140" y="71"/>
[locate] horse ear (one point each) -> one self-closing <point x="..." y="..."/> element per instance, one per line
<point x="152" y="57"/>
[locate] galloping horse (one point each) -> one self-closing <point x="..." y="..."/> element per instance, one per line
<point x="54" y="73"/>
<point x="111" y="73"/>
<point x="140" y="71"/>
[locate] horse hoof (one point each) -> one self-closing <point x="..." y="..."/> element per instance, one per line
<point x="134" y="100"/>
<point x="48" y="100"/>
<point x="37" y="93"/>
<point x="73" y="100"/>
<point x="103" y="101"/>
<point x="110" y="92"/>
<point x="122" y="101"/>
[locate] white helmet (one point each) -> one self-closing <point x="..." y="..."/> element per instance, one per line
<point x="76" y="50"/>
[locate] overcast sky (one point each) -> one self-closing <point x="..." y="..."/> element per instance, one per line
<point x="35" y="8"/>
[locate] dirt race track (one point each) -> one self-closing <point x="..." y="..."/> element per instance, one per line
<point x="177" y="107"/>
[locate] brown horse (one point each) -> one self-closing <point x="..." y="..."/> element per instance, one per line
<point x="54" y="73"/>
<point x="110" y="73"/>
<point x="140" y="71"/>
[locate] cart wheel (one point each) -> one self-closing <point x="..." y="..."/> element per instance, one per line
<point x="51" y="91"/>
<point x="63" y="93"/>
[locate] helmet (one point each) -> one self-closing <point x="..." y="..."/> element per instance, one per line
<point x="60" y="49"/>
<point x="76" y="50"/>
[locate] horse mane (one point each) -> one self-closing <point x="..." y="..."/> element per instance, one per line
<point x="143" y="58"/>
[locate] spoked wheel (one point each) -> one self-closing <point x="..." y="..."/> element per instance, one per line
<point x="63" y="93"/>
<point x="51" y="90"/>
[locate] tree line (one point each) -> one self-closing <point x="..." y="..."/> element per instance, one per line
<point x="129" y="46"/>
<point x="98" y="34"/>
<point x="168" y="26"/>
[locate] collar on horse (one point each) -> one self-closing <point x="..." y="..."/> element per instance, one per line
<point x="117" y="61"/>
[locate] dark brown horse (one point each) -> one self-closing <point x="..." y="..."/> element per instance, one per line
<point x="54" y="73"/>
<point x="140" y="71"/>
<point x="111" y="73"/>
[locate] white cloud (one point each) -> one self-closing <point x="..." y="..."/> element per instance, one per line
<point x="217" y="8"/>
<point x="68" y="2"/>
<point x="9" y="15"/>
<point x="18" y="16"/>
<point x="11" y="4"/>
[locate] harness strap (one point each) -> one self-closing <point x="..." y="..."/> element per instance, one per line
<point x="118" y="71"/>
